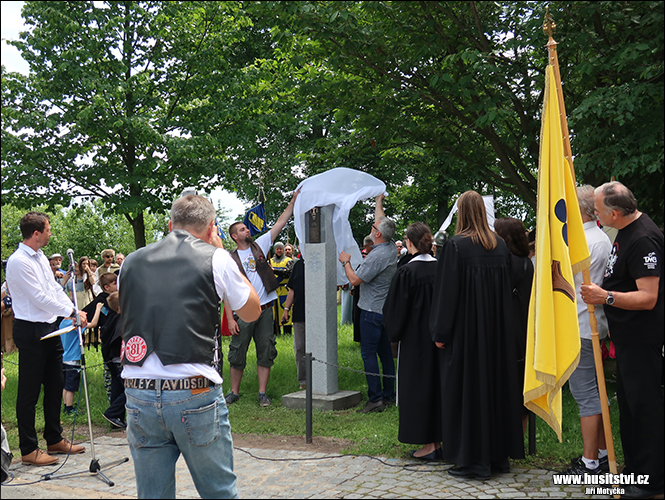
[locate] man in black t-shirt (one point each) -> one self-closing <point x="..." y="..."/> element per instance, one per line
<point x="632" y="291"/>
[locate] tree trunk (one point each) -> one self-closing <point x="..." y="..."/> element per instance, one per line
<point x="138" y="224"/>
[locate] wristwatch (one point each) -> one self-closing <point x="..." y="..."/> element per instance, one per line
<point x="345" y="263"/>
<point x="610" y="299"/>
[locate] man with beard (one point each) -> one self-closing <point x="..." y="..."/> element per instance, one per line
<point x="250" y="256"/>
<point x="282" y="266"/>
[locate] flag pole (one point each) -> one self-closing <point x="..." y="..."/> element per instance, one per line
<point x="548" y="27"/>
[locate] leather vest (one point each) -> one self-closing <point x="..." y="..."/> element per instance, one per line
<point x="169" y="302"/>
<point x="266" y="273"/>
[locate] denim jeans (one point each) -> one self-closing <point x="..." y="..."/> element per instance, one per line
<point x="374" y="341"/>
<point x="163" y="424"/>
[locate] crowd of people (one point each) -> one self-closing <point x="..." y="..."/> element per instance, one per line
<point x="452" y="311"/>
<point x="460" y="321"/>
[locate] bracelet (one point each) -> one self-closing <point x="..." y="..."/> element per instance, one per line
<point x="286" y="308"/>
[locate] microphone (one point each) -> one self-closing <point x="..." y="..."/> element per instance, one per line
<point x="70" y="253"/>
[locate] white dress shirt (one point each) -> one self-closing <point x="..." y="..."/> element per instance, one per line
<point x="36" y="296"/>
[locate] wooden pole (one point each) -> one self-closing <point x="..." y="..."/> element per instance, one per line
<point x="549" y="27"/>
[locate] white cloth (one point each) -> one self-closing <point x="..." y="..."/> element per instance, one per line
<point x="343" y="188"/>
<point x="489" y="208"/>
<point x="36" y="296"/>
<point x="96" y="287"/>
<point x="600" y="247"/>
<point x="247" y="260"/>
<point x="229" y="286"/>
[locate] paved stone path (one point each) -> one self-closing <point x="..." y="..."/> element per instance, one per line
<point x="291" y="474"/>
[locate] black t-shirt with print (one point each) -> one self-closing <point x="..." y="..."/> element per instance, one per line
<point x="637" y="252"/>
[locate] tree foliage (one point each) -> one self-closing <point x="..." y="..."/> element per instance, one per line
<point x="125" y="101"/>
<point x="455" y="89"/>
<point x="130" y="101"/>
<point x="86" y="228"/>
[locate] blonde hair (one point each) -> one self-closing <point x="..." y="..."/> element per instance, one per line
<point x="472" y="220"/>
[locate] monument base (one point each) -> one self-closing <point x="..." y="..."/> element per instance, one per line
<point x="341" y="400"/>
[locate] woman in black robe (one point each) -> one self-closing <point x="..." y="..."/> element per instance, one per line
<point x="513" y="233"/>
<point x="472" y="323"/>
<point x="406" y="313"/>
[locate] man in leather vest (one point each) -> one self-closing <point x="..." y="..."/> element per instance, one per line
<point x="169" y="297"/>
<point x="250" y="256"/>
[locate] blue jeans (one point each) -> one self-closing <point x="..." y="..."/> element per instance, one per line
<point x="374" y="341"/>
<point x="163" y="424"/>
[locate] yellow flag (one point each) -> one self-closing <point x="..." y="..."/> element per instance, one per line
<point x="553" y="338"/>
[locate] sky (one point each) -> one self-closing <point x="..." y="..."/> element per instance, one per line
<point x="12" y="23"/>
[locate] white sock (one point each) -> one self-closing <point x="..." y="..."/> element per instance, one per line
<point x="602" y="453"/>
<point x="590" y="464"/>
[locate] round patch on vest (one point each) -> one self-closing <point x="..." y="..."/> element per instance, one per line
<point x="135" y="349"/>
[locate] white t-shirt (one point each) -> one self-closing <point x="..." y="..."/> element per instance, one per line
<point x="249" y="265"/>
<point x="599" y="248"/>
<point x="231" y="287"/>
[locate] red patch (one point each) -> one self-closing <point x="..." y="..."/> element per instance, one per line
<point x="135" y="349"/>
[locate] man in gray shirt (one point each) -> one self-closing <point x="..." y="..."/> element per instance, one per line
<point x="375" y="273"/>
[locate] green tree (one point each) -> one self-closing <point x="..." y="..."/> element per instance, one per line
<point x="84" y="227"/>
<point x="462" y="81"/>
<point x="615" y="102"/>
<point x="126" y="102"/>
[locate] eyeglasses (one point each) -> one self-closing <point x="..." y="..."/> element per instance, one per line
<point x="375" y="228"/>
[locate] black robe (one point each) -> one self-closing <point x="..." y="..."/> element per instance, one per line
<point x="522" y="279"/>
<point x="406" y="315"/>
<point x="472" y="313"/>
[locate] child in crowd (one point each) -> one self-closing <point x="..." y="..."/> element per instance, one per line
<point x="111" y="336"/>
<point x="71" y="360"/>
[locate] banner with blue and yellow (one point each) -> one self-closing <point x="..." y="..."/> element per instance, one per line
<point x="255" y="219"/>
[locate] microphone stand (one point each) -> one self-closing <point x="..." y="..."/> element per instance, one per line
<point x="95" y="467"/>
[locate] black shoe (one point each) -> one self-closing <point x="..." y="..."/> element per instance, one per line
<point x="231" y="398"/>
<point x="116" y="422"/>
<point x="604" y="463"/>
<point x="437" y="454"/>
<point x="634" y="491"/>
<point x="388" y="402"/>
<point x="475" y="471"/>
<point x="264" y="400"/>
<point x="579" y="468"/>
<point x="372" y="407"/>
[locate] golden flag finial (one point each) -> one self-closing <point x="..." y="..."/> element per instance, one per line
<point x="549" y="26"/>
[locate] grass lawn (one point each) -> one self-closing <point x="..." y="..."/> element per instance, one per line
<point x="371" y="434"/>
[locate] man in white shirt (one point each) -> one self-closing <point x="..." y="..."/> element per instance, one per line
<point x="250" y="257"/>
<point x="582" y="382"/>
<point x="169" y="295"/>
<point x="38" y="301"/>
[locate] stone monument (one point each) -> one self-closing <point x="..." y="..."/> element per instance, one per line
<point x="321" y="316"/>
